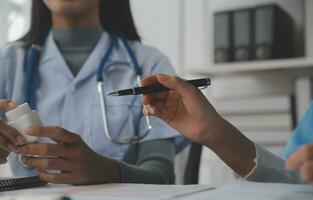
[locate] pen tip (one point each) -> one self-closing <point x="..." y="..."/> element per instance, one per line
<point x="113" y="94"/>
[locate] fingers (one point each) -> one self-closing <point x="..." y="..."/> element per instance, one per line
<point x="3" y="161"/>
<point x="149" y="99"/>
<point x="149" y="80"/>
<point x="155" y="110"/>
<point x="12" y="135"/>
<point x="3" y="157"/>
<point x="8" y="135"/>
<point x="302" y="160"/>
<point x="306" y="172"/>
<point x="188" y="93"/>
<point x="148" y="110"/>
<point x="44" y="150"/>
<point x="155" y="103"/>
<point x="177" y="84"/>
<point x="61" y="178"/>
<point x="300" y="157"/>
<point x="47" y="163"/>
<point x="5" y="144"/>
<point x="7" y="105"/>
<point x="57" y="134"/>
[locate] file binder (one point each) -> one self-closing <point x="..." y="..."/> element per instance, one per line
<point x="243" y="35"/>
<point x="223" y="37"/>
<point x="274" y="33"/>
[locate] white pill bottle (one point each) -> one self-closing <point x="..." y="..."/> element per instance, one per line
<point x="22" y="118"/>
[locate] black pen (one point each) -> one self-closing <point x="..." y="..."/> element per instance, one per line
<point x="204" y="82"/>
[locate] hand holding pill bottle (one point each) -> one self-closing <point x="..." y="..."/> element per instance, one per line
<point x="9" y="137"/>
<point x="22" y="118"/>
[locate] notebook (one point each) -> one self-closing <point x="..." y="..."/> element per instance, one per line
<point x="20" y="183"/>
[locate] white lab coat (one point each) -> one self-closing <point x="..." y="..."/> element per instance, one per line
<point x="73" y="102"/>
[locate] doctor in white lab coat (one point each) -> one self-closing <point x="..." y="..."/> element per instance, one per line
<point x="72" y="145"/>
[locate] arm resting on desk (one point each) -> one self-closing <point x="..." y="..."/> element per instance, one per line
<point x="154" y="163"/>
<point x="270" y="168"/>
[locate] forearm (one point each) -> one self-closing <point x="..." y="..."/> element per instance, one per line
<point x="247" y="159"/>
<point x="236" y="150"/>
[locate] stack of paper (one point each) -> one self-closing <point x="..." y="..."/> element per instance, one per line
<point x="108" y="191"/>
<point x="242" y="190"/>
<point x="237" y="190"/>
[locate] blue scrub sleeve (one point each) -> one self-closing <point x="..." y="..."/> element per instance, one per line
<point x="302" y="135"/>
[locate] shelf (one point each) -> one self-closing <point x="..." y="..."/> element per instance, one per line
<point x="293" y="66"/>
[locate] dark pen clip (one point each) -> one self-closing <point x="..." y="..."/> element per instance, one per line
<point x="204" y="87"/>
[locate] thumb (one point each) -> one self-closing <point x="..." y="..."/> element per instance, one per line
<point x="6" y="104"/>
<point x="177" y="84"/>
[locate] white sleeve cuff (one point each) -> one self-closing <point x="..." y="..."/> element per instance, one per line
<point x="270" y="168"/>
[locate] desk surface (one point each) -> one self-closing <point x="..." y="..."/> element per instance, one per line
<point x="242" y="190"/>
<point x="235" y="190"/>
<point x="108" y="191"/>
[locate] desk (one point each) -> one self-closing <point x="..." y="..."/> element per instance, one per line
<point x="240" y="190"/>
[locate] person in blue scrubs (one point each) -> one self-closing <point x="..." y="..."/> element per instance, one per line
<point x="73" y="147"/>
<point x="186" y="109"/>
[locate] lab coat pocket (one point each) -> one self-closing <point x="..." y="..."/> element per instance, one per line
<point x="123" y="115"/>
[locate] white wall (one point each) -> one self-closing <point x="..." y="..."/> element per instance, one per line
<point x="196" y="34"/>
<point x="15" y="18"/>
<point x="158" y="22"/>
<point x="4" y="22"/>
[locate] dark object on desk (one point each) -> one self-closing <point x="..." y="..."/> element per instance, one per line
<point x="158" y="88"/>
<point x="21" y="183"/>
<point x="223" y="44"/>
<point x="243" y="35"/>
<point x="274" y="33"/>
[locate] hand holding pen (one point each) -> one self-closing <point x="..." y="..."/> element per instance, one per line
<point x="177" y="102"/>
<point x="157" y="87"/>
<point x="188" y="111"/>
<point x="182" y="106"/>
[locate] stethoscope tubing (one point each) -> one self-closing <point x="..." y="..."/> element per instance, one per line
<point x="31" y="81"/>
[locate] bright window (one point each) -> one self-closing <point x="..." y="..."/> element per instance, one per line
<point x="15" y="17"/>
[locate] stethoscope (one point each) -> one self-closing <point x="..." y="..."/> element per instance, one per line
<point x="31" y="84"/>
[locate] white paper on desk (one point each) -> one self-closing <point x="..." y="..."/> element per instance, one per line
<point x="114" y="191"/>
<point x="243" y="190"/>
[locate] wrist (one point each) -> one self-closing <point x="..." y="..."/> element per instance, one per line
<point x="213" y="135"/>
<point x="236" y="150"/>
<point x="108" y="171"/>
